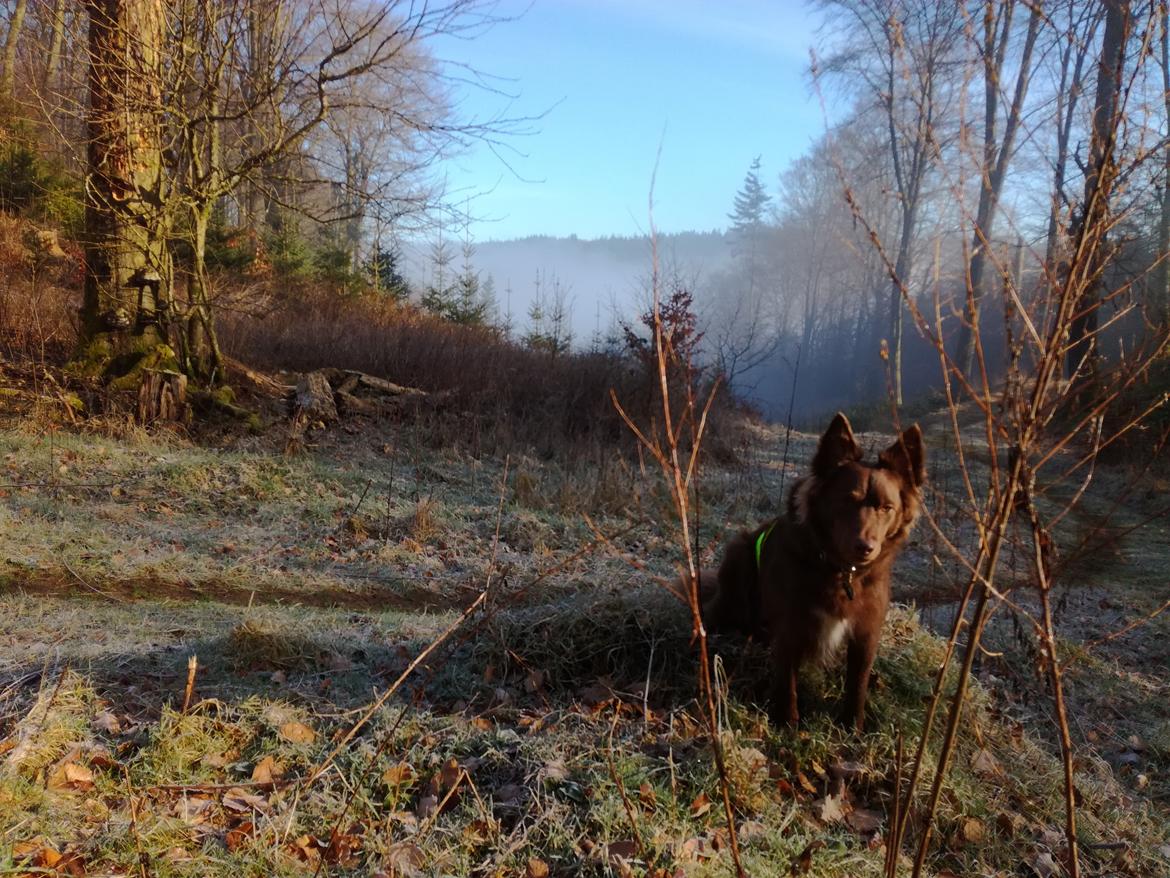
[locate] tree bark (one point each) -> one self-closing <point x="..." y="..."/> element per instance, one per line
<point x="1091" y="226"/>
<point x="56" y="43"/>
<point x="1161" y="303"/>
<point x="125" y="244"/>
<point x="8" y="71"/>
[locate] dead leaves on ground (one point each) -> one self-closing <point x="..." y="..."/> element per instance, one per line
<point x="297" y="733"/>
<point x="44" y="858"/>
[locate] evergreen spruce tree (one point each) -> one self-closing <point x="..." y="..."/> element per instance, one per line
<point x="384" y="274"/>
<point x="439" y="295"/>
<point x="468" y="306"/>
<point x="749" y="216"/>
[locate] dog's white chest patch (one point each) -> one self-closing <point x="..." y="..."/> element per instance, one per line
<point x="832" y="634"/>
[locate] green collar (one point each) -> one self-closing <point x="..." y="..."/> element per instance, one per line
<point x="764" y="534"/>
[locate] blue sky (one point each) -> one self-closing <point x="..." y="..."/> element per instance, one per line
<point x="717" y="83"/>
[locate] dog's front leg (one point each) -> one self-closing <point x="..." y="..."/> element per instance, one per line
<point x="858" y="665"/>
<point x="784" y="668"/>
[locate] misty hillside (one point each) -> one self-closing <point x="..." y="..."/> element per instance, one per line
<point x="604" y="280"/>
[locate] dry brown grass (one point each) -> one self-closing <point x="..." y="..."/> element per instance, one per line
<point x="498" y="395"/>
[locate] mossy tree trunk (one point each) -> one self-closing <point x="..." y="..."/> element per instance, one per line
<point x="127" y="268"/>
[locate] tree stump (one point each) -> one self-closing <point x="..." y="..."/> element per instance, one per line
<point x="313" y="400"/>
<point x="162" y="397"/>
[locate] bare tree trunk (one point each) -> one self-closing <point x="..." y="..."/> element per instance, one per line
<point x="205" y="360"/>
<point x="8" y="70"/>
<point x="53" y="64"/>
<point x="125" y="255"/>
<point x="1068" y="89"/>
<point x="1093" y="214"/>
<point x="996" y="158"/>
<point x="902" y="268"/>
<point x="1161" y="303"/>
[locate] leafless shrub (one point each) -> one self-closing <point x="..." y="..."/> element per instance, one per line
<point x="1059" y="388"/>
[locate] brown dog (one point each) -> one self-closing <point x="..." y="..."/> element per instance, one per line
<point x="819" y="575"/>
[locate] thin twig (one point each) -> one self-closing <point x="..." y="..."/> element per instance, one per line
<point x="192" y="667"/>
<point x="622" y="788"/>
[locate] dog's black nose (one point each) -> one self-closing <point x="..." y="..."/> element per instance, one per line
<point x="865" y="548"/>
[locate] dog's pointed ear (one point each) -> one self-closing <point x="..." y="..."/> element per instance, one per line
<point x="907" y="456"/>
<point x="836" y="447"/>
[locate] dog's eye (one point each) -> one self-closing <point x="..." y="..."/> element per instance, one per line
<point x="887" y="507"/>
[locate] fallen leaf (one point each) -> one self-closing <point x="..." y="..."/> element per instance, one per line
<point x="405" y="860"/>
<point x="985" y="763"/>
<point x="619" y="853"/>
<point x="863" y="821"/>
<point x="1043" y="865"/>
<point x="536" y="868"/>
<point x="241" y="801"/>
<point x="647" y="796"/>
<point x="830" y="809"/>
<point x="266" y="771"/>
<point x="696" y="850"/>
<point x="449" y="775"/>
<point x="534" y="682"/>
<point x="22" y="849"/>
<point x="239" y="836"/>
<point x="751" y="829"/>
<point x="701" y="805"/>
<point x="802" y="862"/>
<point x="556" y="770"/>
<point x="805" y="783"/>
<point x="427" y="805"/>
<point x="297" y="733"/>
<point x="1051" y="838"/>
<point x="972" y="831"/>
<point x="47" y="858"/>
<point x="307" y="848"/>
<point x="107" y="722"/>
<point x="398" y="775"/>
<point x="192" y="809"/>
<point x="71" y="776"/>
<point x="752" y="761"/>
<point x="480" y="831"/>
<point x="1010" y="823"/>
<point x="342" y="848"/>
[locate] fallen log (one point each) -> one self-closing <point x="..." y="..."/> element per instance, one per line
<point x="381" y="385"/>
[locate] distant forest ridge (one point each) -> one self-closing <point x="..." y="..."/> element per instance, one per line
<point x="604" y="279"/>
